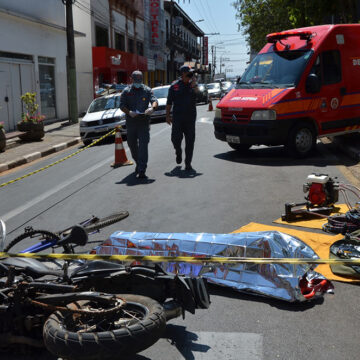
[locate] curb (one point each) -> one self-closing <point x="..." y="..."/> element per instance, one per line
<point x="37" y="155"/>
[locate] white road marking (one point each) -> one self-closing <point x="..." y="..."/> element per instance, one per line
<point x="222" y="346"/>
<point x="63" y="185"/>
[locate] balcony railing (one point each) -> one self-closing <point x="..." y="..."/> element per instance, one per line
<point x="180" y="44"/>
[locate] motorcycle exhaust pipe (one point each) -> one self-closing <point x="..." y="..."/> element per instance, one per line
<point x="172" y="310"/>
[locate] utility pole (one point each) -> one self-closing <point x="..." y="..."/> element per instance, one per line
<point x="70" y="62"/>
<point x="212" y="62"/>
<point x="171" y="72"/>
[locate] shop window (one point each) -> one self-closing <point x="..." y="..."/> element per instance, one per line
<point x="47" y="86"/>
<point x="140" y="48"/>
<point x="101" y="36"/>
<point x="119" y="41"/>
<point x="130" y="45"/>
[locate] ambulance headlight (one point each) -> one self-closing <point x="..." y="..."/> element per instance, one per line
<point x="263" y="115"/>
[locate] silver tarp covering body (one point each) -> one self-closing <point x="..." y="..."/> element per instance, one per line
<point x="275" y="280"/>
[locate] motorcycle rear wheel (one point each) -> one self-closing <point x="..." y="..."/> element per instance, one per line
<point x="140" y="325"/>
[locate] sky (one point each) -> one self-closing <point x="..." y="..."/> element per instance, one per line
<point x="219" y="17"/>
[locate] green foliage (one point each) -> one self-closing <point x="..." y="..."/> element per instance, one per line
<point x="257" y="18"/>
<point x="1" y="125"/>
<point x="31" y="107"/>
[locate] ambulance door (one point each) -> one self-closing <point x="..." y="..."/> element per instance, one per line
<point x="328" y="67"/>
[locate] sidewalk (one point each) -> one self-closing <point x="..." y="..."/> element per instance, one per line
<point x="58" y="136"/>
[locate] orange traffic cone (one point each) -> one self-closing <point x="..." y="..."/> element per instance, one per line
<point x="120" y="154"/>
<point x="210" y="106"/>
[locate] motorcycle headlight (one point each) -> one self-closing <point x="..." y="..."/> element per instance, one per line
<point x="83" y="123"/>
<point x="263" y="115"/>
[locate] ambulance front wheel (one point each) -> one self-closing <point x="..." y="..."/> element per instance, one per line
<point x="240" y="147"/>
<point x="302" y="140"/>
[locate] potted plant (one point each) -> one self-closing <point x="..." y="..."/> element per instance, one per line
<point x="32" y="122"/>
<point x="2" y="137"/>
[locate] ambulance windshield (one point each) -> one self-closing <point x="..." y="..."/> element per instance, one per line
<point x="275" y="70"/>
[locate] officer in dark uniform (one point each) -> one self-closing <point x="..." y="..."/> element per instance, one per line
<point x="182" y="96"/>
<point x="134" y="102"/>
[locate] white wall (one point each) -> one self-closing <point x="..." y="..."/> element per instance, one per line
<point x="25" y="37"/>
<point x="83" y="56"/>
<point x="51" y="11"/>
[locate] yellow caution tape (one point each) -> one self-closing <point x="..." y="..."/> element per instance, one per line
<point x="58" y="161"/>
<point x="187" y="259"/>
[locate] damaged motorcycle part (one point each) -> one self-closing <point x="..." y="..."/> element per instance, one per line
<point x="137" y="326"/>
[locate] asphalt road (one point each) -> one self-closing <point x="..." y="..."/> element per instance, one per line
<point x="227" y="191"/>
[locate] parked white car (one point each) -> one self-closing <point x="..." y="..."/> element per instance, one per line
<point x="214" y="90"/>
<point x="103" y="115"/>
<point x="161" y="93"/>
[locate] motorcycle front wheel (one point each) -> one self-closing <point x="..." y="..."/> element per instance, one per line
<point x="136" y="326"/>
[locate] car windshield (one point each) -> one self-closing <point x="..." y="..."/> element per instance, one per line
<point x="275" y="69"/>
<point x="161" y="92"/>
<point x="103" y="103"/>
<point x="213" y="86"/>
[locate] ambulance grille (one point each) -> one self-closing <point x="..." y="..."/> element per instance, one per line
<point x="228" y="116"/>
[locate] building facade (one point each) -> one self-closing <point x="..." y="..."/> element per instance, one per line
<point x="32" y="58"/>
<point x="117" y="35"/>
<point x="155" y="49"/>
<point x="184" y="40"/>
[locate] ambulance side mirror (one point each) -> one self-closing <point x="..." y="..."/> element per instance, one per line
<point x="313" y="84"/>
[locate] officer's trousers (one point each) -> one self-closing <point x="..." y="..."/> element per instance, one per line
<point x="138" y="138"/>
<point x="184" y="127"/>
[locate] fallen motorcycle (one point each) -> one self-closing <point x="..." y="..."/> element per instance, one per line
<point x="90" y="310"/>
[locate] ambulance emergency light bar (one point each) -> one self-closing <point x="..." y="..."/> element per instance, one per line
<point x="274" y="37"/>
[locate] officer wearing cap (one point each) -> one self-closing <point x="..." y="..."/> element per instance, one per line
<point x="134" y="102"/>
<point x="182" y="96"/>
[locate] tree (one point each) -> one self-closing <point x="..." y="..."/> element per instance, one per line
<point x="257" y="18"/>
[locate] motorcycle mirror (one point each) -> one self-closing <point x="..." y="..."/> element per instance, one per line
<point x="2" y="235"/>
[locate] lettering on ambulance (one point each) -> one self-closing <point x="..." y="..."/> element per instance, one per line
<point x="244" y="98"/>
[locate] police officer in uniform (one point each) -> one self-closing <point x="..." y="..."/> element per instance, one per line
<point x="134" y="102"/>
<point x="182" y="96"/>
